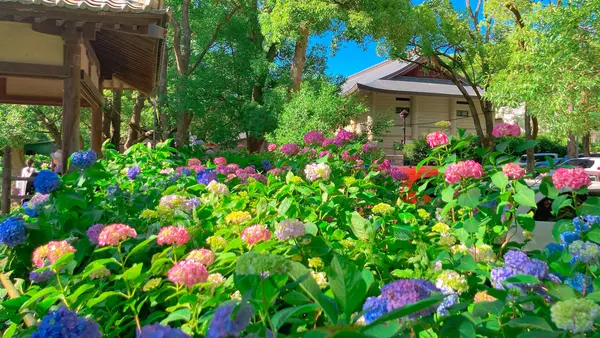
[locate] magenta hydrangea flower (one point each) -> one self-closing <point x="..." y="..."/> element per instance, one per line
<point x="272" y="147"/>
<point x="506" y="129"/>
<point x="204" y="256"/>
<point x="188" y="272"/>
<point x="173" y="235"/>
<point x="50" y="253"/>
<point x="275" y="172"/>
<point x="436" y="139"/>
<point x="575" y="178"/>
<point x="255" y="233"/>
<point x="313" y="137"/>
<point x="310" y="152"/>
<point x="398" y="175"/>
<point x="194" y="162"/>
<point x="115" y="233"/>
<point x="513" y="171"/>
<point x="347" y="157"/>
<point x="289" y="229"/>
<point x="461" y="170"/>
<point x="369" y="147"/>
<point x="290" y="149"/>
<point x="93" y="233"/>
<point x="327" y="141"/>
<point x="220" y="161"/>
<point x="343" y="136"/>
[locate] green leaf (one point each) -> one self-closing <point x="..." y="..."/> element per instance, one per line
<point x="63" y="260"/>
<point x="595" y="296"/>
<point x="92" y="302"/>
<point x="360" y="226"/>
<point x="405" y="311"/>
<point x="530" y="322"/>
<point x="284" y="206"/>
<point x="562" y="292"/>
<point x="548" y="189"/>
<point x="526" y="221"/>
<point x="448" y="194"/>
<point x="471" y="225"/>
<point x="467" y="263"/>
<point x="525" y="195"/>
<point x="280" y="317"/>
<point x="559" y="227"/>
<point x="470" y="198"/>
<point x="526" y="145"/>
<point x="521" y="279"/>
<point x="458" y="326"/>
<point x="500" y="180"/>
<point x="367" y="276"/>
<point x="559" y="203"/>
<point x="347" y="284"/>
<point x="482" y="309"/>
<point x="312" y="289"/>
<point x="594" y="235"/>
<point x="402" y="232"/>
<point x="10" y="332"/>
<point x="133" y="272"/>
<point x="43" y="292"/>
<point x="80" y="290"/>
<point x="140" y="246"/>
<point x="180" y="314"/>
<point x="591" y="206"/>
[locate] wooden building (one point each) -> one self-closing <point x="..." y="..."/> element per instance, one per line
<point x="65" y="52"/>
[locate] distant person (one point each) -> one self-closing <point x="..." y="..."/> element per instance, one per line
<point x="25" y="172"/>
<point x="57" y="157"/>
<point x="29" y="189"/>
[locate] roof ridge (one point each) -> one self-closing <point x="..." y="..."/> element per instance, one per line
<point x="373" y="67"/>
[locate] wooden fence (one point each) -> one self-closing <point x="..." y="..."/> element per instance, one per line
<point x="7" y="180"/>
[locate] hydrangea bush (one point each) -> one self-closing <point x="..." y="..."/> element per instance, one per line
<point x="331" y="240"/>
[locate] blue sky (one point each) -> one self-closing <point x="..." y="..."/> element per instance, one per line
<point x="351" y="58"/>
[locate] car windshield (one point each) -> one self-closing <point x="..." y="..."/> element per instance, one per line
<point x="538" y="157"/>
<point x="579" y="163"/>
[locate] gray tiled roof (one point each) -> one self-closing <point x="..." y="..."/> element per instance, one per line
<point x="381" y="78"/>
<point x="122" y="6"/>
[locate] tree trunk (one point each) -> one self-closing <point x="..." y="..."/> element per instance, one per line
<point x="299" y="58"/>
<point x="116" y="118"/>
<point x="572" y="146"/>
<point x="586" y="145"/>
<point x="106" y="119"/>
<point x="528" y="136"/>
<point x="183" y="126"/>
<point x="52" y="128"/>
<point x="489" y="117"/>
<point x="134" y="122"/>
<point x="162" y="98"/>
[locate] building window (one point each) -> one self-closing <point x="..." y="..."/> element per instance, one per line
<point x="462" y="102"/>
<point x="400" y="109"/>
<point x="462" y="113"/>
<point x="405" y="99"/>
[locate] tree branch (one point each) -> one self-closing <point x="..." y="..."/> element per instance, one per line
<point x="177" y="44"/>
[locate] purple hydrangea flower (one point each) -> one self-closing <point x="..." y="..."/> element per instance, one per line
<point x="408" y="291"/>
<point x="266" y="165"/>
<point x="554" y="278"/>
<point x="223" y="325"/>
<point x="206" y="176"/>
<point x="376" y="306"/>
<point x="93" y="232"/>
<point x="35" y="204"/>
<point x="398" y="175"/>
<point x="12" y="232"/>
<point x="343" y="136"/>
<point x="498" y="275"/>
<point x="536" y="268"/>
<point x="369" y="147"/>
<point x="46" y="182"/>
<point x="65" y="323"/>
<point x="450" y="300"/>
<point x="313" y="137"/>
<point x="327" y="141"/>
<point x="160" y="331"/>
<point x="516" y="259"/>
<point x="84" y="159"/>
<point x="133" y="172"/>
<point x="290" y="149"/>
<point x="39" y="277"/>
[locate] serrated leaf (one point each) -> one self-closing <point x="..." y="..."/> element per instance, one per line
<point x="347" y="284"/>
<point x="526" y="221"/>
<point x="521" y="279"/>
<point x="500" y="180"/>
<point x="133" y="272"/>
<point x="284" y="206"/>
<point x="525" y="195"/>
<point x="458" y="326"/>
<point x="448" y="194"/>
<point x="530" y="322"/>
<point x="180" y="314"/>
<point x="470" y="198"/>
<point x="43" y="292"/>
<point x="559" y="203"/>
<point x="482" y="309"/>
<point x="140" y="246"/>
<point x="94" y="301"/>
<point x="280" y="317"/>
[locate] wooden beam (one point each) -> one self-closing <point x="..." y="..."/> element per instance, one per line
<point x="149" y="31"/>
<point x="2" y="86"/>
<point x="33" y="70"/>
<point x="6" y="183"/>
<point x="96" y="137"/>
<point x="71" y="98"/>
<point x="95" y="95"/>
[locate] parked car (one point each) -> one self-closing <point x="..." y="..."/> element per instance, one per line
<point x="541" y="160"/>
<point x="590" y="164"/>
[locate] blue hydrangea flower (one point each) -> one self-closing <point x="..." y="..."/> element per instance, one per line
<point x="64" y="323"/>
<point x="569" y="237"/>
<point x="498" y="275"/>
<point x="450" y="300"/>
<point x="12" y="232"/>
<point x="578" y="281"/>
<point x="536" y="268"/>
<point x="206" y="176"/>
<point x="554" y="247"/>
<point x="377" y="307"/>
<point x="516" y="259"/>
<point x="133" y="172"/>
<point x="223" y="325"/>
<point x="84" y="159"/>
<point x="584" y="251"/>
<point x="31" y="212"/>
<point x="39" y="277"/>
<point x="112" y="190"/>
<point x="185" y="171"/>
<point x="46" y="182"/>
<point x="160" y="331"/>
<point x="266" y="165"/>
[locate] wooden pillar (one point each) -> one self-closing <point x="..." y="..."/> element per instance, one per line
<point x="6" y="186"/>
<point x="96" y="137"/>
<point x="452" y="115"/>
<point x="71" y="94"/>
<point x="414" y="118"/>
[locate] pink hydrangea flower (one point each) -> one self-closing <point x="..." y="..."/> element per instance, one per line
<point x="436" y="139"/>
<point x="193" y="162"/>
<point x="313" y="137"/>
<point x="204" y="256"/>
<point x="513" y="171"/>
<point x="310" y="151"/>
<point x="347" y="157"/>
<point x="115" y="233"/>
<point x="197" y="168"/>
<point x="275" y="172"/>
<point x="327" y="142"/>
<point x="173" y="235"/>
<point x="506" y="129"/>
<point x="188" y="272"/>
<point x="369" y="147"/>
<point x="256" y="233"/>
<point x="325" y="153"/>
<point x="463" y="169"/>
<point x="385" y="166"/>
<point x="50" y="253"/>
<point x="290" y="149"/>
<point x="343" y="136"/>
<point x="220" y="161"/>
<point x="575" y="178"/>
<point x="167" y="171"/>
<point x="272" y="147"/>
